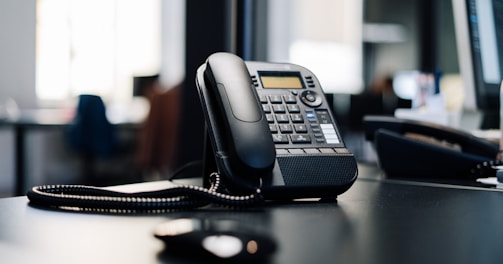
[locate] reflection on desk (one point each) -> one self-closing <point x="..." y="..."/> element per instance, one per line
<point x="375" y="221"/>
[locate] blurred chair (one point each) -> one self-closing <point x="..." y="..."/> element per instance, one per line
<point x="156" y="153"/>
<point x="91" y="135"/>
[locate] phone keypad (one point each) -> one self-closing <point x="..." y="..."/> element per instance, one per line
<point x="286" y="123"/>
<point x="290" y="123"/>
<point x="298" y="118"/>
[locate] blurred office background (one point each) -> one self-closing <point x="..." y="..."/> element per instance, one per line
<point x="54" y="50"/>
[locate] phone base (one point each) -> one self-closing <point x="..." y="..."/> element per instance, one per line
<point x="293" y="176"/>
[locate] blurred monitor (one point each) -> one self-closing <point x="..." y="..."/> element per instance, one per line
<point x="479" y="37"/>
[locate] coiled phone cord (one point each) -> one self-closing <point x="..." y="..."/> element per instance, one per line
<point x="87" y="198"/>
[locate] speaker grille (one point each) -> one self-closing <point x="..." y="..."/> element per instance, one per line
<point x="317" y="170"/>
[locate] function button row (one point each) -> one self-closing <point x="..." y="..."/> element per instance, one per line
<point x="327" y="127"/>
<point x="323" y="117"/>
<point x="330" y="134"/>
<point x="322" y="127"/>
<point x="312" y="151"/>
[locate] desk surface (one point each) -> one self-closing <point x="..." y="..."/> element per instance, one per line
<point x="374" y="222"/>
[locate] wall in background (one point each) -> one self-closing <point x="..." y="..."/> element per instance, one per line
<point x="6" y="161"/>
<point x="409" y="54"/>
<point x="17" y="72"/>
<point x="17" y="51"/>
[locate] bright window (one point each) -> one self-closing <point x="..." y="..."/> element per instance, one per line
<point x="325" y="36"/>
<point x="95" y="46"/>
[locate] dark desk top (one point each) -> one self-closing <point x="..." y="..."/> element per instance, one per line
<point x="374" y="222"/>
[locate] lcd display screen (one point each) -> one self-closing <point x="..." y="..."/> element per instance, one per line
<point x="281" y="81"/>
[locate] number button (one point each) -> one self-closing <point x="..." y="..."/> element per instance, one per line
<point x="300" y="128"/>
<point x="290" y="99"/>
<point x="269" y="118"/>
<point x="266" y="108"/>
<point x="300" y="138"/>
<point x="275" y="99"/>
<point x="281" y="139"/>
<point x="297" y="118"/>
<point x="281" y="118"/>
<point x="293" y="108"/>
<point x="278" y="108"/>
<point x="285" y="128"/>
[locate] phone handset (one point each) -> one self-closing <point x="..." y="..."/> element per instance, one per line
<point x="248" y="136"/>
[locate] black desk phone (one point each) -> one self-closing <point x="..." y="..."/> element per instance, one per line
<point x="417" y="149"/>
<point x="270" y="136"/>
<point x="270" y="127"/>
